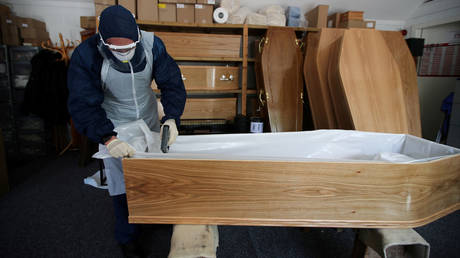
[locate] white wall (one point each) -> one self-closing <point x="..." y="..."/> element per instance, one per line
<point x="61" y="16"/>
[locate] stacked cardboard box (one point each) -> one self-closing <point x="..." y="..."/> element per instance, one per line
<point x="100" y="5"/>
<point x="33" y="32"/>
<point x="203" y="12"/>
<point x="147" y="10"/>
<point x="167" y="11"/>
<point x="354" y="19"/>
<point x="185" y="13"/>
<point x="317" y="18"/>
<point x="131" y="5"/>
<point x="9" y="28"/>
<point x="88" y="22"/>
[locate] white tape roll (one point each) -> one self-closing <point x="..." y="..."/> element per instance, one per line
<point x="220" y="15"/>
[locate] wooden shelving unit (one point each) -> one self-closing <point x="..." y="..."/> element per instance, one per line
<point x="244" y="30"/>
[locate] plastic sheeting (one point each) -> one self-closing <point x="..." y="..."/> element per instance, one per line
<point x="256" y="19"/>
<point x="320" y="145"/>
<point x="231" y="5"/>
<point x="239" y="16"/>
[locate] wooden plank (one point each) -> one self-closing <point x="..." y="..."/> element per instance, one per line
<point x="401" y="53"/>
<point x="210" y="78"/>
<point x="208" y="59"/>
<point x="244" y="72"/>
<point x="371" y="83"/>
<point x="210" y="108"/>
<point x="315" y="72"/>
<point x="282" y="76"/>
<point x="338" y="98"/>
<point x="307" y="194"/>
<point x="144" y="23"/>
<point x="201" y="45"/>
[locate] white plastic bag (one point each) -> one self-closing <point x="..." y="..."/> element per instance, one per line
<point x="256" y="19"/>
<point x="138" y="135"/>
<point x="272" y="9"/>
<point x="231" y="5"/>
<point x="276" y="19"/>
<point x="239" y="16"/>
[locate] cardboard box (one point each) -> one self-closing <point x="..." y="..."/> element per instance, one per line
<point x="131" y="5"/>
<point x="147" y="10"/>
<point x="99" y="8"/>
<point x="333" y="21"/>
<point x="352" y="15"/>
<point x="186" y="1"/>
<point x="206" y="1"/>
<point x="317" y="18"/>
<point x="88" y="22"/>
<point x="168" y="1"/>
<point x="167" y="12"/>
<point x="34" y="42"/>
<point x="33" y="33"/>
<point x="10" y="31"/>
<point x="30" y="23"/>
<point x="106" y="2"/>
<point x="203" y="13"/>
<point x="4" y="10"/>
<point x="352" y="24"/>
<point x="185" y="13"/>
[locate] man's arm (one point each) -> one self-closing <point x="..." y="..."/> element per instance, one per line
<point x="169" y="81"/>
<point x="85" y="99"/>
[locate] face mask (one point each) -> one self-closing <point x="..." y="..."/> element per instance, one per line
<point x="124" y="56"/>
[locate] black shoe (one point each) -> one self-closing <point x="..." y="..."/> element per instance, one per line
<point x="132" y="249"/>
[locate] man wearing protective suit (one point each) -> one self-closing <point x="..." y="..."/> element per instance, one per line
<point x="109" y="80"/>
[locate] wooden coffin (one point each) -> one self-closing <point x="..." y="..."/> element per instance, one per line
<point x="281" y="63"/>
<point x="370" y="81"/>
<point x="250" y="190"/>
<point x="210" y="78"/>
<point x="210" y="108"/>
<point x="201" y="45"/>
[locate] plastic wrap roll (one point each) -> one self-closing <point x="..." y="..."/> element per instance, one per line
<point x="220" y="15"/>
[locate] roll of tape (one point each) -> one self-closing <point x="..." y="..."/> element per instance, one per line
<point x="220" y="15"/>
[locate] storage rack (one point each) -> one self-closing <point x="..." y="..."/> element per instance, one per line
<point x="29" y="129"/>
<point x="248" y="32"/>
<point x="7" y="121"/>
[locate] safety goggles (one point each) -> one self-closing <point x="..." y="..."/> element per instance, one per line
<point x="123" y="47"/>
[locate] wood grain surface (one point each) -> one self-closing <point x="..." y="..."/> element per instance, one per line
<point x="201" y="45"/>
<point x="316" y="67"/>
<point x="372" y="83"/>
<point x="281" y="64"/>
<point x="209" y="77"/>
<point x="210" y="108"/>
<point x="319" y="194"/>
<point x="408" y="72"/>
<point x="339" y="99"/>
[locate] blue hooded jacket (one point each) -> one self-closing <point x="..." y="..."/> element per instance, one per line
<point x="85" y="86"/>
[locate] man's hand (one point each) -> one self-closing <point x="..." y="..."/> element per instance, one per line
<point x="118" y="148"/>
<point x="172" y="131"/>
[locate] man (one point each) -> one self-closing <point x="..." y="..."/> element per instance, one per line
<point x="109" y="80"/>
